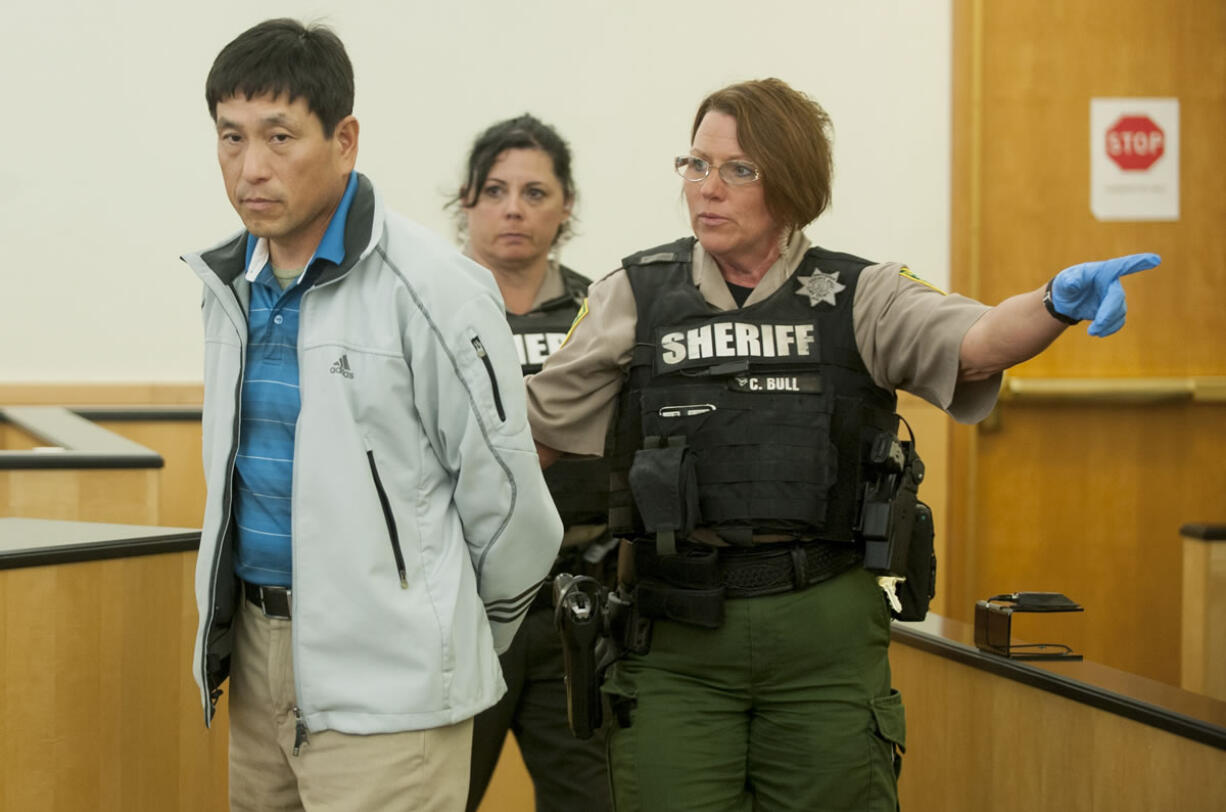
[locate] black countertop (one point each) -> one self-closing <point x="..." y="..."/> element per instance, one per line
<point x="42" y="542"/>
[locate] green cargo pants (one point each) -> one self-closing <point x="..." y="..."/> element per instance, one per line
<point x="787" y="706"/>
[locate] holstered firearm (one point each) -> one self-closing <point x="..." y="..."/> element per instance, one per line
<point x="887" y="510"/>
<point x="579" y="617"/>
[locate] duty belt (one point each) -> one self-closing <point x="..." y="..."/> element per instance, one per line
<point x="747" y="572"/>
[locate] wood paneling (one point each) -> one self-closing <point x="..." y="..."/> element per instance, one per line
<point x="1091" y="505"/>
<point x="101" y="394"/>
<point x="181" y="480"/>
<point x="12" y="438"/>
<point x="976" y="742"/>
<point x="1088" y="499"/>
<point x="98" y="710"/>
<point x="124" y="496"/>
<point x="510" y="788"/>
<point x="1043" y="62"/>
<point x="180" y="497"/>
<point x="1204" y="617"/>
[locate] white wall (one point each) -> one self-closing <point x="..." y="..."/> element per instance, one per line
<point x="108" y="170"/>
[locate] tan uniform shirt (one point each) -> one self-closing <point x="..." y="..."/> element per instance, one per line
<point x="551" y="287"/>
<point x="909" y="335"/>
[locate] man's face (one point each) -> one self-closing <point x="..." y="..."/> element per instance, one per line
<point x="283" y="177"/>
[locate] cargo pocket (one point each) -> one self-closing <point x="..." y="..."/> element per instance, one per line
<point x="621" y="696"/>
<point x="621" y="749"/>
<point x="890" y="743"/>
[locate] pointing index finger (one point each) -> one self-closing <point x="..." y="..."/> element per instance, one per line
<point x="1139" y="262"/>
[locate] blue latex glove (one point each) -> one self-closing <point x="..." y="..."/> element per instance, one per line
<point x="1092" y="291"/>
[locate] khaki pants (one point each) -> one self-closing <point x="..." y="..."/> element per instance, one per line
<point x="414" y="770"/>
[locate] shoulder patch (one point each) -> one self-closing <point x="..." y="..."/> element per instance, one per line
<point x="910" y="274"/>
<point x="578" y="318"/>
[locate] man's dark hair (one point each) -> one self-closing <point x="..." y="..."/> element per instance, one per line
<point x="284" y="56"/>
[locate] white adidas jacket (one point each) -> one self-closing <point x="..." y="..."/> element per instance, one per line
<point x="422" y="526"/>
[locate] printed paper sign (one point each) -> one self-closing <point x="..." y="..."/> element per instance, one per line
<point x="1134" y="159"/>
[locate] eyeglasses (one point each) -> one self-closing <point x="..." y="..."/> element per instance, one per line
<point x="733" y="173"/>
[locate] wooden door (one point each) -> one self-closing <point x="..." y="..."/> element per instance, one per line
<point x="1083" y="490"/>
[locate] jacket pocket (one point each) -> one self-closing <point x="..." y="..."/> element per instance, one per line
<point x="391" y="522"/>
<point x="489" y="370"/>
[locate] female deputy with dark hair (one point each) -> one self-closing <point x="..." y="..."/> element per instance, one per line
<point x="515" y="208"/>
<point x="754" y="377"/>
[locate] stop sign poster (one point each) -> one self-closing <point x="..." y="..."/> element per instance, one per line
<point x="1134" y="159"/>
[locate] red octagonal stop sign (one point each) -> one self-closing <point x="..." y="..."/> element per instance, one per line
<point x="1135" y="142"/>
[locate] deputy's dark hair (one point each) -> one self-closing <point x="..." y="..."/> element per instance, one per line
<point x="788" y="135"/>
<point x="521" y="132"/>
<point x="284" y="57"/>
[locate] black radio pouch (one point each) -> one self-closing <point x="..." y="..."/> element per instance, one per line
<point x="895" y="527"/>
<point x="888" y="505"/>
<point x="664" y="482"/>
<point x="918" y="590"/>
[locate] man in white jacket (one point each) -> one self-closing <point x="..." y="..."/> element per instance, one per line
<point x="376" y="524"/>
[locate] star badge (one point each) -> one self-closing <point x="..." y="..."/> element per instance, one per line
<point x="820" y="287"/>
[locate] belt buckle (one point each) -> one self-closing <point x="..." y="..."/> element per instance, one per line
<point x="275" y="602"/>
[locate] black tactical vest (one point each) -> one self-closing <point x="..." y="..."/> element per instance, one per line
<point x="580" y="488"/>
<point x="773" y="400"/>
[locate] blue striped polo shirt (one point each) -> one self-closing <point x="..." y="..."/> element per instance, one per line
<point x="264" y="467"/>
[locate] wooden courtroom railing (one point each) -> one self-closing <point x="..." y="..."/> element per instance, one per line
<point x="1203" y="667"/>
<point x="98" y="710"/>
<point x="57" y="464"/>
<point x="989" y="733"/>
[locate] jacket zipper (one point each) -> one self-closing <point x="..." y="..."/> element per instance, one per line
<point x="215" y="693"/>
<point x="301" y="734"/>
<point x="489" y="370"/>
<point x="391" y="523"/>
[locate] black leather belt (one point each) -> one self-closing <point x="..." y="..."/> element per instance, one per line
<point x="274" y="601"/>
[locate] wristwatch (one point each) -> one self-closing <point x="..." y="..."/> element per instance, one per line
<point x="1051" y="307"/>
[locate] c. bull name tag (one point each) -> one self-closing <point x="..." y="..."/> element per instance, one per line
<point x="805" y="384"/>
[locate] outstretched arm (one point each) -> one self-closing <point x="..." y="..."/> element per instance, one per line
<point x="1022" y="326"/>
